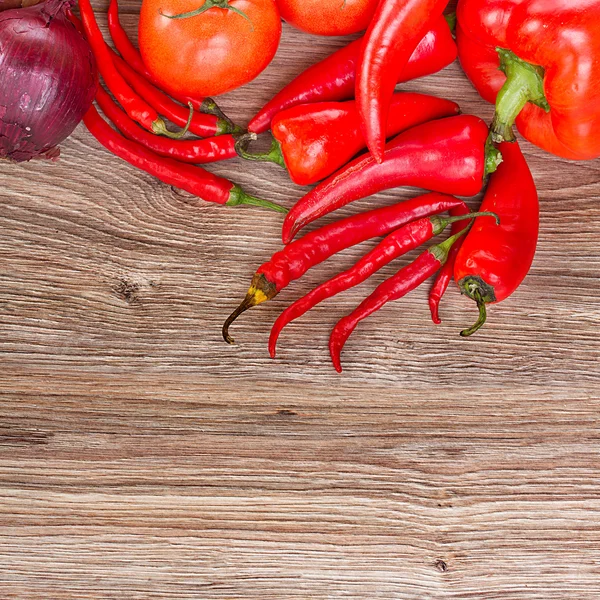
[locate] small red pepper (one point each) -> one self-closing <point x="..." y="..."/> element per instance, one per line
<point x="135" y="106"/>
<point x="202" y="124"/>
<point x="394" y="288"/>
<point x="549" y="77"/>
<point x="193" y="151"/>
<point x="194" y="180"/>
<point x="449" y="155"/>
<point x="314" y="140"/>
<point x="493" y="261"/>
<point x="395" y="31"/>
<point x="296" y="259"/>
<point x="333" y="78"/>
<point x="396" y="244"/>
<point x="444" y="277"/>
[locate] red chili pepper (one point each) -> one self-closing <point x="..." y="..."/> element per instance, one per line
<point x="394" y="288"/>
<point x="395" y="31"/>
<point x="138" y="109"/>
<point x="538" y="62"/>
<point x="133" y="58"/>
<point x="493" y="261"/>
<point x="194" y="180"/>
<point x="333" y="78"/>
<point x="294" y="260"/>
<point x="450" y="156"/>
<point x="203" y="125"/>
<point x="314" y="140"/>
<point x="444" y="277"/>
<point x="193" y="151"/>
<point x="396" y="244"/>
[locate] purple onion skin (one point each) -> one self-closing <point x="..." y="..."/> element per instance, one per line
<point x="48" y="80"/>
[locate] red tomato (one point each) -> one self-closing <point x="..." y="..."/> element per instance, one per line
<point x="328" y="17"/>
<point x="209" y="53"/>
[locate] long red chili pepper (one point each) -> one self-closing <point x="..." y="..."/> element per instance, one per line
<point x="193" y="151"/>
<point x="314" y="140"/>
<point x="194" y="180"/>
<point x="294" y="260"/>
<point x="442" y="281"/>
<point x="394" y="288"/>
<point x="449" y="155"/>
<point x="493" y="261"/>
<point x="396" y="244"/>
<point x="202" y="124"/>
<point x="133" y="58"/>
<point x="135" y="106"/>
<point x="333" y="78"/>
<point x="395" y="31"/>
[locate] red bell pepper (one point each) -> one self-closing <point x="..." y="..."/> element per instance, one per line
<point x="312" y="141"/>
<point x="549" y="77"/>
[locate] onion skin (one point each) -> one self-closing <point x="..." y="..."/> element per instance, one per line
<point x="48" y="80"/>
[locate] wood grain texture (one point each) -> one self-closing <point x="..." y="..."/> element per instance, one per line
<point x="141" y="457"/>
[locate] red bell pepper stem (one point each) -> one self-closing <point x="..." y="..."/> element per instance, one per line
<point x="394" y="288"/>
<point x="296" y="259"/>
<point x="193" y="151"/>
<point x="493" y="261"/>
<point x="194" y="180"/>
<point x="395" y="31"/>
<point x="202" y="125"/>
<point x="314" y="140"/>
<point x="442" y="281"/>
<point x="333" y="78"/>
<point x="137" y="108"/>
<point x="450" y="156"/>
<point x="396" y="244"/>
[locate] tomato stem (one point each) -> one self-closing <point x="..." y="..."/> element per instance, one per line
<point x="208" y="4"/>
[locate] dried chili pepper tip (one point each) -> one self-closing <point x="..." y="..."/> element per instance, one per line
<point x="261" y="290"/>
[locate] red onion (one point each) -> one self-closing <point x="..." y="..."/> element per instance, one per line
<point x="48" y="79"/>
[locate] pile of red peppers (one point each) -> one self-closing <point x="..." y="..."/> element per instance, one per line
<point x="342" y="125"/>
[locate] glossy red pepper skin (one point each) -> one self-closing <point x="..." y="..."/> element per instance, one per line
<point x="296" y="259"/>
<point x="195" y="180"/>
<point x="395" y="31"/>
<point x="562" y="37"/>
<point x="195" y="151"/>
<point x="494" y="260"/>
<point x="333" y="79"/>
<point x="317" y="139"/>
<point x="448" y="156"/>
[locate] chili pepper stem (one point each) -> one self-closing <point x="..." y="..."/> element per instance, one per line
<point x="451" y="20"/>
<point x="524" y="83"/>
<point x="238" y="196"/>
<point x="261" y="290"/>
<point x="493" y="156"/>
<point x="483" y="294"/>
<point x="226" y="125"/>
<point x="160" y="128"/>
<point x="438" y="224"/>
<point x="274" y="155"/>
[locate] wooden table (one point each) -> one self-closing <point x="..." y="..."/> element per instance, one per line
<point x="141" y="457"/>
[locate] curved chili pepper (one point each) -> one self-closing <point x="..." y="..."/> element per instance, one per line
<point x="202" y="123"/>
<point x="396" y="244"/>
<point x="394" y="288"/>
<point x="135" y="106"/>
<point x="450" y="156"/>
<point x="313" y="140"/>
<point x="550" y="80"/>
<point x="333" y="78"/>
<point x="193" y="151"/>
<point x="442" y="281"/>
<point x="493" y="261"/>
<point x="294" y="260"/>
<point x="395" y="31"/>
<point x="194" y="180"/>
